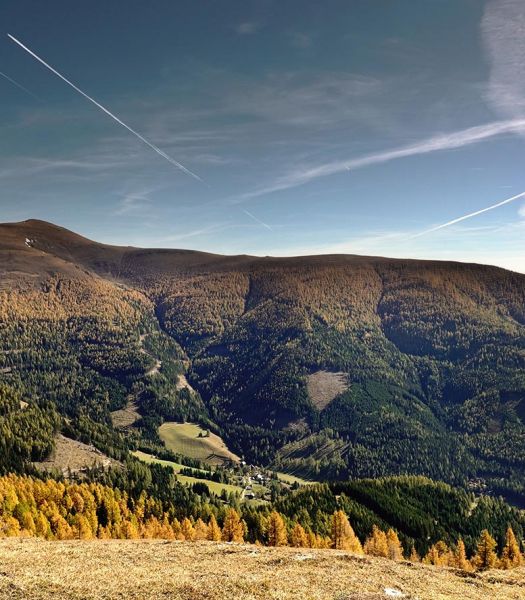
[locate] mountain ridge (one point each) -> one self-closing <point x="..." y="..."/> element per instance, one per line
<point x="433" y="352"/>
<point x="38" y="226"/>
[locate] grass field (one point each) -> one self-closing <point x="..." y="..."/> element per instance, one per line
<point x="216" y="488"/>
<point x="183" y="438"/>
<point x="32" y="569"/>
<point x="125" y="417"/>
<point x="287" y="478"/>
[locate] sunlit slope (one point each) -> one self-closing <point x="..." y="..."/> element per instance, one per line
<point x="38" y="570"/>
<point x="430" y="356"/>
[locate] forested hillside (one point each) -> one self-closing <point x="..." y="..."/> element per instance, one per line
<point x="433" y="355"/>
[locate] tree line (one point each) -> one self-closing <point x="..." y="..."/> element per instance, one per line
<point x="61" y="511"/>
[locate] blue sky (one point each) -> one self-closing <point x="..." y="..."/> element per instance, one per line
<point x="343" y="126"/>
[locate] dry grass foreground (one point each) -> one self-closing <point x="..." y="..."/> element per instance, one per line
<point x="32" y="569"/>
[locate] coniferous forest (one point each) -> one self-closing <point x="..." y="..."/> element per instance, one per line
<point x="420" y="453"/>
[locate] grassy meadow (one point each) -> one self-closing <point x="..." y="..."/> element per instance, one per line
<point x="195" y="442"/>
<point x="33" y="569"/>
<point x="215" y="487"/>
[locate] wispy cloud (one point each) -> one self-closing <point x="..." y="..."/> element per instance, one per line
<point x="29" y="166"/>
<point x="200" y="231"/>
<point x="300" y="40"/>
<point x="108" y="112"/>
<point x="134" y="203"/>
<point x="248" y="27"/>
<point x="503" y="27"/>
<point x="440" y="142"/>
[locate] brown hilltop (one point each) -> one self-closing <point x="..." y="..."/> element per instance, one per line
<point x="63" y="244"/>
<point x="335" y="287"/>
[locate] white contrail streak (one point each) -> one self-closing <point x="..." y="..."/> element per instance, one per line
<point x="256" y="219"/>
<point x="436" y="143"/>
<point x="18" y="85"/>
<point x="470" y="215"/>
<point x="109" y="113"/>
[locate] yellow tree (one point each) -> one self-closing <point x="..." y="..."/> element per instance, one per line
<point x="129" y="530"/>
<point x="376" y="544"/>
<point x="395" y="549"/>
<point x="511" y="556"/>
<point x="27" y="523"/>
<point x="201" y="530"/>
<point x="299" y="539"/>
<point x="166" y="531"/>
<point x="438" y="555"/>
<point x="232" y="529"/>
<point x="214" y="531"/>
<point x="312" y="539"/>
<point x="486" y="557"/>
<point x="83" y="528"/>
<point x="460" y="560"/>
<point x="343" y="536"/>
<point x="414" y="556"/>
<point x="175" y="525"/>
<point x="277" y="535"/>
<point x="187" y="530"/>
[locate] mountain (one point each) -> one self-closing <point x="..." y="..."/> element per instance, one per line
<point x="326" y="366"/>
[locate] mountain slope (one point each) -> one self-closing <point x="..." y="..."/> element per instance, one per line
<point x="106" y="569"/>
<point x="433" y="352"/>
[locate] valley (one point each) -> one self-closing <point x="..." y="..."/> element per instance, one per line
<point x="296" y="386"/>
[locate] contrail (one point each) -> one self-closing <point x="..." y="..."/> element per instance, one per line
<point x="257" y="220"/>
<point x="109" y="113"/>
<point x="18" y="85"/>
<point x="470" y="215"/>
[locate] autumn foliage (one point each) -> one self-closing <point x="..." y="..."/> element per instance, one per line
<point x="60" y="511"/>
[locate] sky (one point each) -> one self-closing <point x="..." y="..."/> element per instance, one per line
<point x="269" y="127"/>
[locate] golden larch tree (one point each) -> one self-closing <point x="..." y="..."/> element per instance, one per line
<point x="511" y="556"/>
<point x="438" y="555"/>
<point x="214" y="531"/>
<point x="414" y="556"/>
<point x="485" y="557"/>
<point x="187" y="530"/>
<point x="343" y="536"/>
<point x="299" y="539"/>
<point x="376" y="544"/>
<point x="395" y="549"/>
<point x="460" y="560"/>
<point x="201" y="530"/>
<point x="277" y="535"/>
<point x="232" y="529"/>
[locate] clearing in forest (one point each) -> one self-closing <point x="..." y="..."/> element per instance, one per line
<point x="73" y="456"/>
<point x="193" y="441"/>
<point x="127" y="416"/>
<point x="324" y="386"/>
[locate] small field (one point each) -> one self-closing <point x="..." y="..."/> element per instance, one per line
<point x="72" y="456"/>
<point x="127" y="416"/>
<point x="290" y="479"/>
<point x="216" y="488"/>
<point x="324" y="386"/>
<point x="191" y="440"/>
<point x="32" y="569"/>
